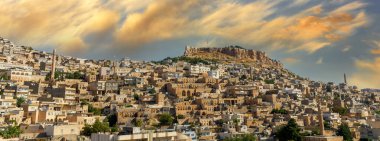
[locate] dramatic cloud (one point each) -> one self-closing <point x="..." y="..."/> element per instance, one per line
<point x="161" y="20"/>
<point x="290" y="60"/>
<point x="61" y="24"/>
<point x="99" y="25"/>
<point x="114" y="27"/>
<point x="44" y="22"/>
<point x="368" y="71"/>
<point x="308" y="30"/>
<point x="376" y="47"/>
<point x="368" y="74"/>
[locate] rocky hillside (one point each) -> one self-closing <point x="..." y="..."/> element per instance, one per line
<point x="233" y="54"/>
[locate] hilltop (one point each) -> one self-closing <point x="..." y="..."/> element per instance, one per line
<point x="232" y="54"/>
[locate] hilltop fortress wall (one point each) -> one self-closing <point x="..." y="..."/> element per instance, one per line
<point x="249" y="55"/>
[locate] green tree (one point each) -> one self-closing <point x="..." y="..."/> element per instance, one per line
<point x="191" y="60"/>
<point x="4" y="77"/>
<point x="10" y="132"/>
<point x="377" y="112"/>
<point x="95" y="128"/>
<point x="220" y="122"/>
<point x="166" y="119"/>
<point x="138" y="122"/>
<point x="329" y="88"/>
<point x="269" y="81"/>
<point x="20" y="100"/>
<point x="114" y="129"/>
<point x="180" y="116"/>
<point x="57" y="75"/>
<point x="340" y="110"/>
<point x="365" y="139"/>
<point x="93" y="110"/>
<point x="136" y="97"/>
<point x="344" y="130"/>
<point x="291" y="131"/>
<point x="327" y="125"/>
<point x="236" y="121"/>
<point x="246" y="137"/>
<point x="112" y="120"/>
<point x="77" y="75"/>
<point x="84" y="102"/>
<point x="243" y="77"/>
<point x="152" y="91"/>
<point x="279" y="111"/>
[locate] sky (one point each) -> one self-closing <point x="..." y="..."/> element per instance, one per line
<point x="318" y="39"/>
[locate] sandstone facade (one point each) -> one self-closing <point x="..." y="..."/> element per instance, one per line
<point x="233" y="54"/>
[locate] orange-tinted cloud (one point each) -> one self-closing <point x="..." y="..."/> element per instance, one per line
<point x="375" y="51"/>
<point x="73" y="46"/>
<point x="376" y="47"/>
<point x="368" y="74"/>
<point x="55" y="23"/>
<point x="290" y="60"/>
<point x="161" y="20"/>
<point x="43" y="22"/>
<point x="308" y="30"/>
<point x="131" y="24"/>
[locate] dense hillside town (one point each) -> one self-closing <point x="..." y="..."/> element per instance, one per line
<point x="207" y="94"/>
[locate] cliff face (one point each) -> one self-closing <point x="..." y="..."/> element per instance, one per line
<point x="233" y="55"/>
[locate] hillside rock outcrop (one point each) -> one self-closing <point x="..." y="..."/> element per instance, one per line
<point x="233" y="55"/>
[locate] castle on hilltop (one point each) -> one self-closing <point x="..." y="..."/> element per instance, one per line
<point x="232" y="53"/>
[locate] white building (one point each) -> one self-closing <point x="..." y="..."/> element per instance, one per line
<point x="62" y="130"/>
<point x="196" y="69"/>
<point x="214" y="74"/>
<point x="104" y="71"/>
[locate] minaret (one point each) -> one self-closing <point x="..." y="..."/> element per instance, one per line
<point x="320" y="116"/>
<point x="114" y="75"/>
<point x="52" y="71"/>
<point x="345" y="78"/>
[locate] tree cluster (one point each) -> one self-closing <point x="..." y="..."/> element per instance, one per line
<point x="20" y="100"/>
<point x="95" y="128"/>
<point x="269" y="81"/>
<point x="191" y="60"/>
<point x="166" y="119"/>
<point x="290" y="131"/>
<point x="279" y="111"/>
<point x="65" y="75"/>
<point x="10" y="132"/>
<point x="344" y="130"/>
<point x="95" y="111"/>
<point x="340" y="110"/>
<point x="91" y="109"/>
<point x="246" y="137"/>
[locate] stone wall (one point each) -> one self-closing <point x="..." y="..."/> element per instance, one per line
<point x="233" y="52"/>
